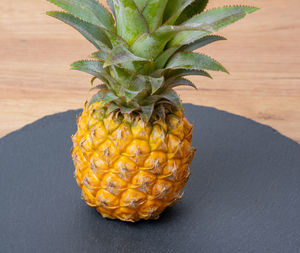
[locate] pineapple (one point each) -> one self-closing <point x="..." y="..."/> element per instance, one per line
<point x="133" y="146"/>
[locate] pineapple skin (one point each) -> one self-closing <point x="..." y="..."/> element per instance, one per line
<point x="128" y="169"/>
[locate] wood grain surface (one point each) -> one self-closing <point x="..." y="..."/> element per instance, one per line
<point x="262" y="53"/>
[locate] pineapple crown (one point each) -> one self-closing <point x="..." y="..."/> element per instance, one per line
<point x="145" y="48"/>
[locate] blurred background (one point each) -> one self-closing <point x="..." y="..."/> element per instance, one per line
<point x="262" y="54"/>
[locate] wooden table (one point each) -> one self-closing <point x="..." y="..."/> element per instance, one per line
<point x="262" y="54"/>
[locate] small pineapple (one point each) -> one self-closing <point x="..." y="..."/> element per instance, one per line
<point x="133" y="146"/>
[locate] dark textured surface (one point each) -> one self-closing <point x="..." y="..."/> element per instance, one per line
<point x="243" y="195"/>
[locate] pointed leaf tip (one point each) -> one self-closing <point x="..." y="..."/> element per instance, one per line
<point x="147" y="112"/>
<point x="90" y="11"/>
<point x="250" y="9"/>
<point x="94" y="68"/>
<point x="91" y="32"/>
<point x="217" y="18"/>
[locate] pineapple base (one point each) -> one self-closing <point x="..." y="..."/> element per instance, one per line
<point x="128" y="169"/>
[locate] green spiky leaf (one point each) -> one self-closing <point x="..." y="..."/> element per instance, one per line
<point x="190" y="60"/>
<point x="91" y="32"/>
<point x="156" y="83"/>
<point x="131" y="94"/>
<point x="197" y="6"/>
<point x="88" y="66"/>
<point x="112" y="107"/>
<point x="141" y="55"/>
<point x="215" y="18"/>
<point x="127" y="110"/>
<point x="147" y="111"/>
<point x="180" y="82"/>
<point x="130" y="22"/>
<point x="153" y="13"/>
<point x="174" y="9"/>
<point x="97" y="97"/>
<point x="163" y="58"/>
<point x="94" y="68"/>
<point x="109" y="97"/>
<point x="129" y="79"/>
<point x="90" y="11"/>
<point x="186" y="72"/>
<point x="138" y="88"/>
<point x="133" y="86"/>
<point x="140" y="67"/>
<point x="100" y="55"/>
<point x="172" y="97"/>
<point x="202" y="42"/>
<point x="123" y="76"/>
<point x="156" y="41"/>
<point x="120" y="54"/>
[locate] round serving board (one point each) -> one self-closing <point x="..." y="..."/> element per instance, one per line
<point x="243" y="195"/>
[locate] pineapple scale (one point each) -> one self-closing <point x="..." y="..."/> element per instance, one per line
<point x="128" y="169"/>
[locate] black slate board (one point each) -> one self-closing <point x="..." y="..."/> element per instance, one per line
<point x="243" y="195"/>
